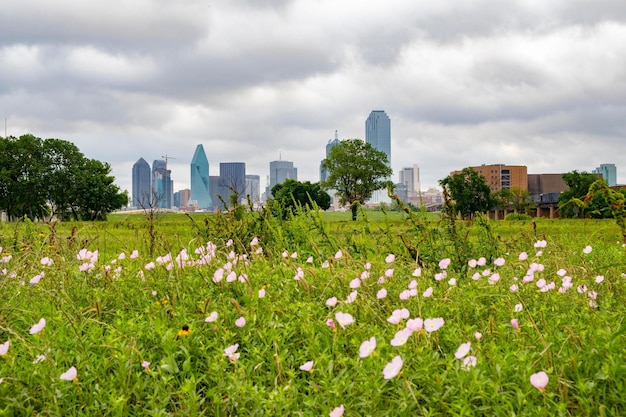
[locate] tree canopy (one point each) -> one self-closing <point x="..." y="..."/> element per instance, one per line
<point x="46" y="178"/>
<point x="578" y="184"/>
<point x="513" y="198"/>
<point x="470" y="192"/>
<point x="355" y="170"/>
<point x="292" y="193"/>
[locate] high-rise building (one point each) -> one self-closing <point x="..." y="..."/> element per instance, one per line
<point x="609" y="173"/>
<point x="232" y="180"/>
<point x="162" y="184"/>
<point x="181" y="199"/>
<point x="200" y="191"/>
<point x="329" y="146"/>
<point x="281" y="171"/>
<point x="253" y="188"/>
<point x="214" y="188"/>
<point x="141" y="184"/>
<point x="500" y="176"/>
<point x="378" y="134"/>
<point x="410" y="177"/>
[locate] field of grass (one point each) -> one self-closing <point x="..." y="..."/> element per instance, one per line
<point x="241" y="314"/>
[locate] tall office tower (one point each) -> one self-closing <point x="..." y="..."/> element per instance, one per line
<point x="200" y="191"/>
<point x="410" y="177"/>
<point x="141" y="184"/>
<point x="181" y="198"/>
<point x="378" y="134"/>
<point x="232" y="180"/>
<point x="329" y="146"/>
<point x="281" y="171"/>
<point x="253" y="188"/>
<point x="214" y="188"/>
<point x="609" y="173"/>
<point x="162" y="184"/>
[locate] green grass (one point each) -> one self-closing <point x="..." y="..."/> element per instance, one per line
<point x="106" y="321"/>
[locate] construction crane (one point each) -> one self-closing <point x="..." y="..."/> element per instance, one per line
<point x="166" y="158"/>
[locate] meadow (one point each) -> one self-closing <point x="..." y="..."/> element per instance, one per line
<point x="244" y="314"/>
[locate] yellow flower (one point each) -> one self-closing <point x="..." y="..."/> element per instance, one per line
<point x="162" y="302"/>
<point x="184" y="331"/>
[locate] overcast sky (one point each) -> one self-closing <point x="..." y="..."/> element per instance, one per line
<point x="540" y="83"/>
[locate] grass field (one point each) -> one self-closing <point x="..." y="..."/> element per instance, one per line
<point x="241" y="314"/>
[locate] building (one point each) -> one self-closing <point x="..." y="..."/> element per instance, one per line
<point x="253" y="188"/>
<point x="281" y="171"/>
<point x="500" y="176"/>
<point x="214" y="189"/>
<point x="608" y="172"/>
<point x="378" y="134"/>
<point x="200" y="191"/>
<point x="329" y="146"/>
<point x="142" y="190"/>
<point x="232" y="181"/>
<point x="182" y="199"/>
<point x="410" y="177"/>
<point x="162" y="184"/>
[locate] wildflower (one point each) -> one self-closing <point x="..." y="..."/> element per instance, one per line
<point x="522" y="256"/>
<point x="592" y="294"/>
<point x="212" y="317"/>
<point x="515" y="324"/>
<point x="367" y="347"/>
<point x="145" y="365"/>
<point x="415" y="325"/>
<point x="413" y="284"/>
<point x="478" y="335"/>
<point x="38" y="327"/>
<point x="440" y="275"/>
<point x="401" y="337"/>
<point x="587" y="250"/>
<point x="476" y="276"/>
<point x="382" y="293"/>
<point x="229" y="243"/>
<point x="494" y="278"/>
<point x="481" y="261"/>
<point x="561" y="272"/>
<point x="539" y="380"/>
<point x="254" y="242"/>
<point x="365" y="275"/>
<point x="428" y="292"/>
<point x="463" y="350"/>
<point x="231" y="352"/>
<point x="389" y="272"/>
<point x="499" y="262"/>
<point x="390" y="258"/>
<point x="344" y="319"/>
<point x="541" y="283"/>
<point x="261" y="293"/>
<point x="381" y="280"/>
<point x="432" y="325"/>
<point x="331" y="302"/>
<point x="307" y="366"/>
<point x="337" y="411"/>
<point x="339" y="254"/>
<point x="417" y="272"/>
<point x="36" y="278"/>
<point x="218" y="275"/>
<point x="444" y="263"/>
<point x="134" y="254"/>
<point x="325" y="264"/>
<point x="468" y="362"/>
<point x="540" y="244"/>
<point x="355" y="283"/>
<point x="452" y="282"/>
<point x="46" y="261"/>
<point x="240" y="322"/>
<point x="514" y="288"/>
<point x="309" y="260"/>
<point x="405" y="295"/>
<point x="184" y="331"/>
<point x="331" y="323"/>
<point x="367" y="266"/>
<point x="398" y="315"/>
<point x="40" y="358"/>
<point x="70" y="375"/>
<point x="231" y="277"/>
<point x="4" y="348"/>
<point x="518" y="307"/>
<point x="599" y="279"/>
<point x="393" y="368"/>
<point x="472" y="263"/>
<point x="581" y="289"/>
<point x="149" y="266"/>
<point x="294" y="255"/>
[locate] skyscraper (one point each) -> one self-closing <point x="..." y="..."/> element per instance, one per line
<point x="200" y="192"/>
<point x="329" y="146"/>
<point x="609" y="173"/>
<point x="253" y="188"/>
<point x="141" y="184"/>
<point x="280" y="171"/>
<point x="162" y="184"/>
<point x="378" y="134"/>
<point x="410" y="177"/>
<point x="232" y="180"/>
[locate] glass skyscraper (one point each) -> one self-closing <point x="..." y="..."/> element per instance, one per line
<point x="200" y="191"/>
<point x="329" y="146"/>
<point x="141" y="184"/>
<point x="232" y="180"/>
<point x="378" y="132"/>
<point x="280" y="171"/>
<point x="609" y="173"/>
<point x="162" y="184"/>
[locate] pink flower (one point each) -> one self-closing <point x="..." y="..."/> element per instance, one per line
<point x="145" y="365"/>
<point x="261" y="293"/>
<point x="522" y="256"/>
<point x="398" y="315"/>
<point x="478" y="335"/>
<point x="468" y="363"/>
<point x="309" y="260"/>
<point x="46" y="261"/>
<point x="212" y="317"/>
<point x="481" y="261"/>
<point x="69" y="375"/>
<point x="231" y="277"/>
<point x="401" y="337"/>
<point x="294" y="255"/>
<point x="428" y="292"/>
<point x="331" y="302"/>
<point x="390" y="258"/>
<point x="514" y="288"/>
<point x="413" y="284"/>
<point x="415" y="325"/>
<point x="417" y="272"/>
<point x="539" y="380"/>
<point x="240" y="322"/>
<point x="389" y="273"/>
<point x="134" y="254"/>
<point x="337" y="411"/>
<point x="393" y="368"/>
<point x="463" y="350"/>
<point x="231" y="352"/>
<point x="38" y="327"/>
<point x="541" y="244"/>
<point x="338" y="255"/>
<point x="561" y="272"/>
<point x="599" y="279"/>
<point x="452" y="282"/>
<point x="515" y="324"/>
<point x="432" y="325"/>
<point x="331" y="323"/>
<point x="254" y="242"/>
<point x="299" y="274"/>
<point x="36" y="278"/>
<point x="499" y="262"/>
<point x="355" y="283"/>
<point x="382" y="293"/>
<point x="351" y="297"/>
<point x="518" y="307"/>
<point x="4" y="348"/>
<point x="367" y="347"/>
<point x="344" y="319"/>
<point x="444" y="263"/>
<point x="472" y="263"/>
<point x="587" y="250"/>
<point x="218" y="275"/>
<point x="307" y="366"/>
<point x="405" y="295"/>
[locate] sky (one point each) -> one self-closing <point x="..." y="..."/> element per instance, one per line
<point x="540" y="83"/>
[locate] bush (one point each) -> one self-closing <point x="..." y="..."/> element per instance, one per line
<point x="517" y="216"/>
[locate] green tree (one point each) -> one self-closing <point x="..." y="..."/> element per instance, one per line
<point x="578" y="184"/>
<point x="292" y="193"/>
<point x="355" y="170"/>
<point x="513" y="198"/>
<point x="470" y="192"/>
